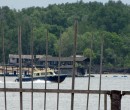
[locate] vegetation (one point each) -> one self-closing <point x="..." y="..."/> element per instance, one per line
<point x="109" y="22"/>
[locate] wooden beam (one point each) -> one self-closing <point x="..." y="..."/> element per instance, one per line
<point x="125" y="92"/>
<point x="54" y="91"/>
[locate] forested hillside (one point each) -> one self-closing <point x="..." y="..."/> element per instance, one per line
<point x="98" y="22"/>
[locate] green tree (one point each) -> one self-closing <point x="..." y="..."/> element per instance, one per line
<point x="40" y="41"/>
<point x="67" y="39"/>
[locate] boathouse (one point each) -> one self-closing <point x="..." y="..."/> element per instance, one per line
<point x="14" y="59"/>
<point x="66" y="63"/>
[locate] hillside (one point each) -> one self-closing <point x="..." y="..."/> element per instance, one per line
<point x="97" y="22"/>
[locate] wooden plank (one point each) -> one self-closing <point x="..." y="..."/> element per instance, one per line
<point x="54" y="91"/>
<point x="125" y="92"/>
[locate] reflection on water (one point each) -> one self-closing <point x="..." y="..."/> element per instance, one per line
<point x="108" y="83"/>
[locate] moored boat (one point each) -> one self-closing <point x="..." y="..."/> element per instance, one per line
<point x="45" y="74"/>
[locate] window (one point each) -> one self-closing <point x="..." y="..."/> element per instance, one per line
<point x="37" y="74"/>
<point x="42" y="73"/>
<point x="17" y="60"/>
<point x="51" y="73"/>
<point x="51" y="62"/>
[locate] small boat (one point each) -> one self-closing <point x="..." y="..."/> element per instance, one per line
<point x="124" y="76"/>
<point x="115" y="76"/>
<point x="45" y="74"/>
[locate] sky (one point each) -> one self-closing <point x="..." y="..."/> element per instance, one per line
<point x="19" y="4"/>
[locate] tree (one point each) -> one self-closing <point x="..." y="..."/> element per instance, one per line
<point x="87" y="52"/>
<point x="40" y="41"/>
<point x="67" y="42"/>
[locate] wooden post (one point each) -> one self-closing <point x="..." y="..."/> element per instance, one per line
<point x="20" y="66"/>
<point x="105" y="101"/>
<point x="12" y="70"/>
<point x="74" y="62"/>
<point x="115" y="100"/>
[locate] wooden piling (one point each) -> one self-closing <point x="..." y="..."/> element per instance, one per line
<point x="105" y="101"/>
<point x="115" y="100"/>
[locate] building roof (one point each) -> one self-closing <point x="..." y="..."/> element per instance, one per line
<point x="64" y="59"/>
<point x="50" y="58"/>
<point x="22" y="56"/>
<point x="41" y="56"/>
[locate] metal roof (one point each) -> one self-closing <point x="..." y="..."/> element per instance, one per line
<point x="23" y="56"/>
<point x="64" y="59"/>
<point x="49" y="58"/>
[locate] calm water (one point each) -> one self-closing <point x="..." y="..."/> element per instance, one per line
<point x="108" y="83"/>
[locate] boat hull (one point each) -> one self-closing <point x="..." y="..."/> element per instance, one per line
<point x="54" y="78"/>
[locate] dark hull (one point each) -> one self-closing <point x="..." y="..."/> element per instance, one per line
<point x="48" y="78"/>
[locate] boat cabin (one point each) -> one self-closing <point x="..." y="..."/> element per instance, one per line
<point x="44" y="72"/>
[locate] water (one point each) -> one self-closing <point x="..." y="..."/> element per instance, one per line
<point x="108" y="83"/>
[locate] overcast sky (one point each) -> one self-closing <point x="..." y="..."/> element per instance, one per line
<point x="19" y="4"/>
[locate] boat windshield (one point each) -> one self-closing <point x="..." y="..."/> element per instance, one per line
<point x="37" y="74"/>
<point x="51" y="73"/>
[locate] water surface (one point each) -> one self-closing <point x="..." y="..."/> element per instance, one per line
<point x="81" y="83"/>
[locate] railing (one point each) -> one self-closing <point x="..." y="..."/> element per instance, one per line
<point x="115" y="96"/>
